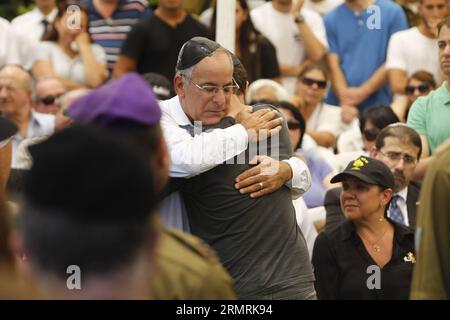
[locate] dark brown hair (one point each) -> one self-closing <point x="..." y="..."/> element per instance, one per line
<point x="52" y="33"/>
<point x="249" y="37"/>
<point x="401" y="132"/>
<point x="424" y="76"/>
<point x="315" y="66"/>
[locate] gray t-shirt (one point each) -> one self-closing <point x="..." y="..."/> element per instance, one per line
<point x="257" y="240"/>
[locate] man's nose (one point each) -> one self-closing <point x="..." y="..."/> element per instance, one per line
<point x="400" y="164"/>
<point x="3" y="92"/>
<point x="220" y="97"/>
<point x="447" y="49"/>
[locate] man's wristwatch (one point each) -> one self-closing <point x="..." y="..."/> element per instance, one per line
<point x="299" y="19"/>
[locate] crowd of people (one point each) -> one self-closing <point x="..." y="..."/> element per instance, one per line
<point x="140" y="159"/>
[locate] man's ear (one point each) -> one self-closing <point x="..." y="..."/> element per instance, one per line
<point x="178" y="85"/>
<point x="373" y="152"/>
<point x="30" y="97"/>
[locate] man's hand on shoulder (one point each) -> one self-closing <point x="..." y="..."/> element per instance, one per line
<point x="260" y="124"/>
<point x="266" y="177"/>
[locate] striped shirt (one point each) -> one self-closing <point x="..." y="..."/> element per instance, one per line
<point x="110" y="33"/>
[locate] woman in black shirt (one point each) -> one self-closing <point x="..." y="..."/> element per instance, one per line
<point x="368" y="256"/>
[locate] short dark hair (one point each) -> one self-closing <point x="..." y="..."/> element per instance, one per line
<point x="445" y="22"/>
<point x="297" y="116"/>
<point x="239" y="75"/>
<point x="402" y="132"/>
<point x="380" y="116"/>
<point x="95" y="210"/>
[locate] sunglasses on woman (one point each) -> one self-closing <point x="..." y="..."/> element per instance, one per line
<point x="321" y="84"/>
<point x="423" y="88"/>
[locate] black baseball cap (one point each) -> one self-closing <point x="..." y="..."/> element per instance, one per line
<point x="7" y="128"/>
<point x="368" y="170"/>
<point x="195" y="50"/>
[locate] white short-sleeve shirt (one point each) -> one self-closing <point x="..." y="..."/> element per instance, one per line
<point x="281" y="29"/>
<point x="8" y="44"/>
<point x="65" y="66"/>
<point x="411" y="51"/>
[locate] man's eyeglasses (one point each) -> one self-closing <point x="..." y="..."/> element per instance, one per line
<point x="321" y="84"/>
<point x="49" y="100"/>
<point x="396" y="156"/>
<point x="423" y="88"/>
<point x="370" y="134"/>
<point x="213" y="90"/>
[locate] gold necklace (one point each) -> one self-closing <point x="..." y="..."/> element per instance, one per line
<point x="375" y="246"/>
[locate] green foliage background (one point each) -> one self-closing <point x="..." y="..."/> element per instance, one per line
<point x="12" y="8"/>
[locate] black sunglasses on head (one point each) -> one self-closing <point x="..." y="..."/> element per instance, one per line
<point x="321" y="84"/>
<point x="371" y="134"/>
<point x="423" y="88"/>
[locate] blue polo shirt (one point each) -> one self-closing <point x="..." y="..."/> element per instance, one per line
<point x="361" y="40"/>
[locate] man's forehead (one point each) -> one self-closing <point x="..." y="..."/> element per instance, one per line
<point x="444" y="34"/>
<point x="7" y="79"/>
<point x="9" y="76"/>
<point x="218" y="64"/>
<point x="50" y="85"/>
<point x="428" y="2"/>
<point x="399" y="144"/>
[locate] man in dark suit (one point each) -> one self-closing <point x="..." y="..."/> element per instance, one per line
<point x="399" y="147"/>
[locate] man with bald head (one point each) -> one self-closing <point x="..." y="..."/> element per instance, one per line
<point x="15" y="105"/>
<point x="47" y="95"/>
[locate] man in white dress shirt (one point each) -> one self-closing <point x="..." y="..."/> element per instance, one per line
<point x="256" y="238"/>
<point x="31" y="26"/>
<point x="192" y="155"/>
<point x="15" y="105"/>
<point x="8" y="44"/>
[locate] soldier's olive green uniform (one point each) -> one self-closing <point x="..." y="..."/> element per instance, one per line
<point x="431" y="277"/>
<point x="188" y="269"/>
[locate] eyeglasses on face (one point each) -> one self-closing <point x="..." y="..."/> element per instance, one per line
<point x="371" y="134"/>
<point x="396" y="156"/>
<point x="321" y="84"/>
<point x="423" y="88"/>
<point x="213" y="90"/>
